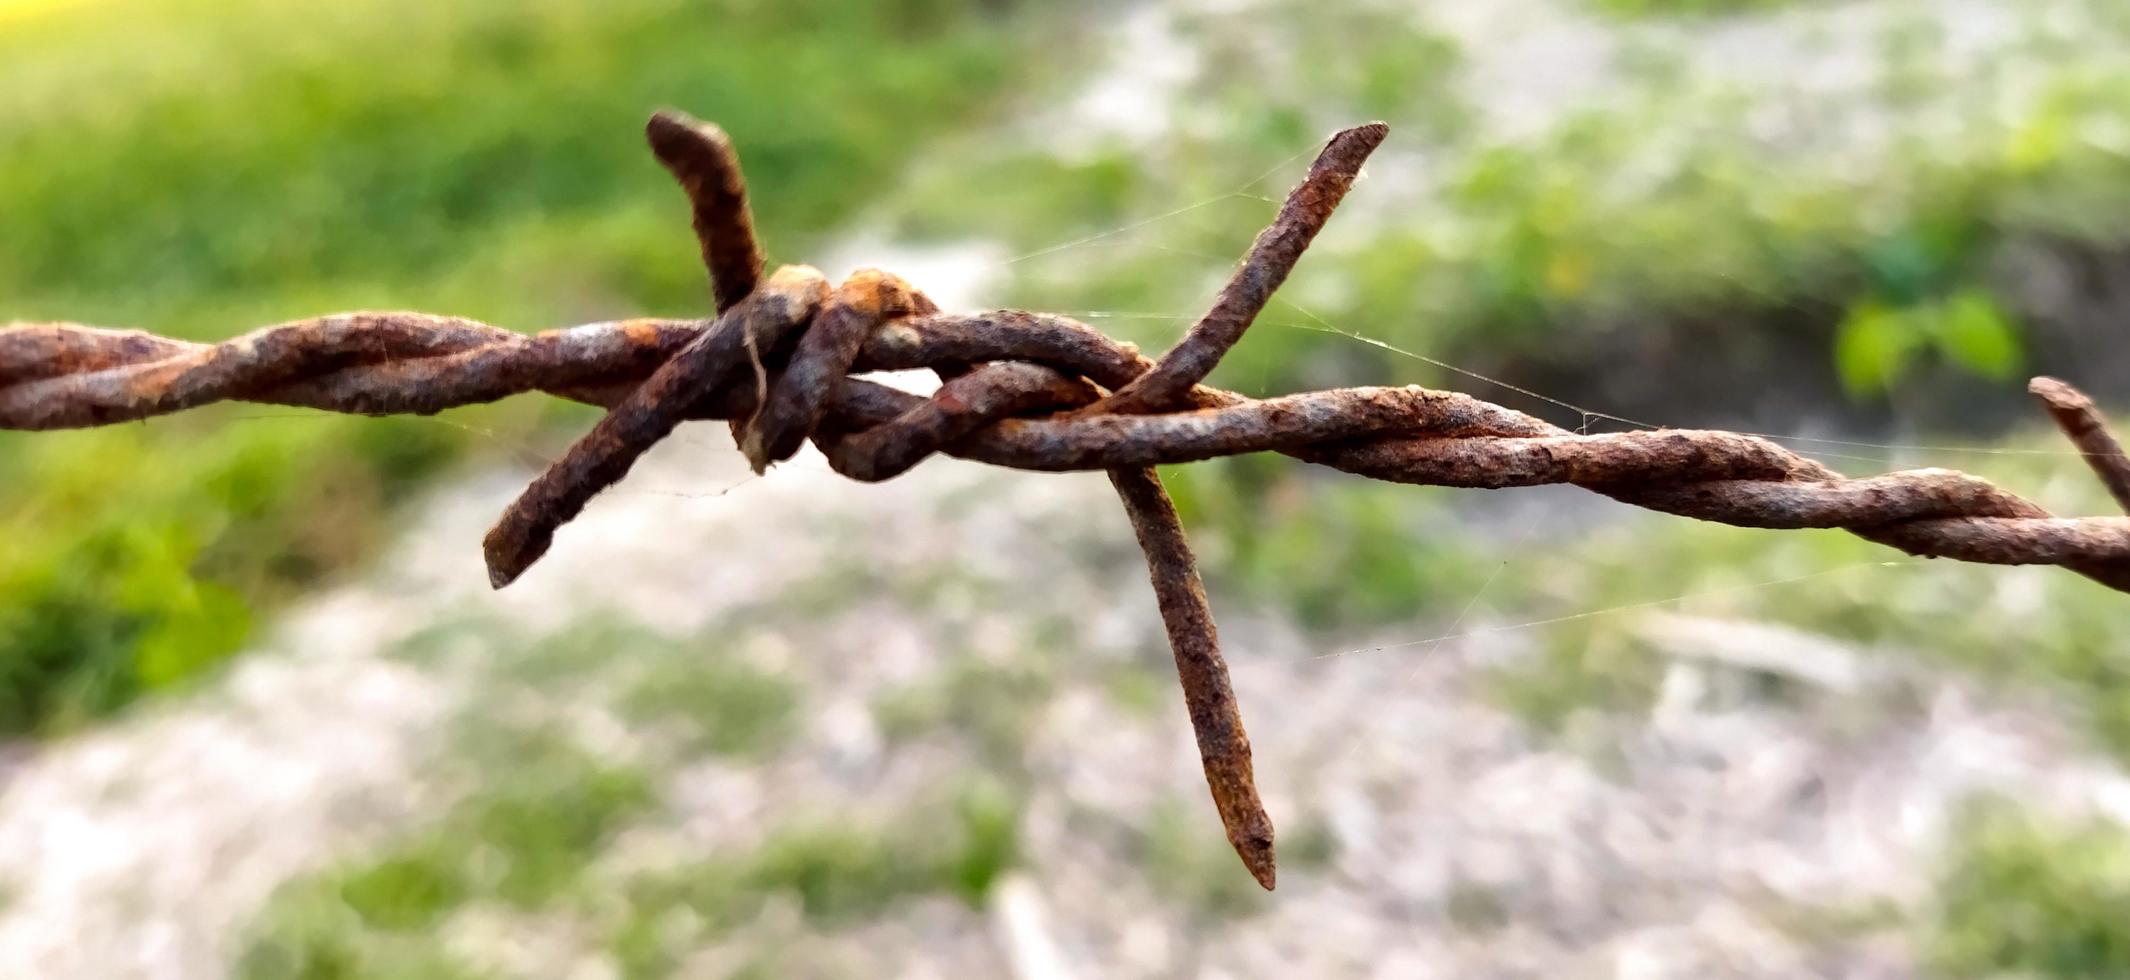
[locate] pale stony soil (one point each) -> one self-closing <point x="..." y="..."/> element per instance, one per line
<point x="139" y="850"/>
<point x="1813" y="77"/>
<point x="1687" y="841"/>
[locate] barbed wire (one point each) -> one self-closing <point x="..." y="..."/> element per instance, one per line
<point x="1030" y="391"/>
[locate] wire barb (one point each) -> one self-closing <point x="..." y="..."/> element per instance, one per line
<point x="701" y="158"/>
<point x="1029" y="391"/>
<point x="2087" y="429"/>
<point x="1216" y="717"/>
<point x="1223" y="745"/>
<point x="1271" y="257"/>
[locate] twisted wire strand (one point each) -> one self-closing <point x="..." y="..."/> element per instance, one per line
<point x="60" y="375"/>
<point x="1029" y="391"/>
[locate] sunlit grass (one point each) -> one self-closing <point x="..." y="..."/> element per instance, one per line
<point x="203" y="167"/>
<point x="20" y="11"/>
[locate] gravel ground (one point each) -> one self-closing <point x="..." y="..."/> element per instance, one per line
<point x="1451" y="840"/>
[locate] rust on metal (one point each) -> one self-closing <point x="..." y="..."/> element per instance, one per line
<point x="1022" y="390"/>
<point x="1271" y="257"/>
<point x="603" y="456"/>
<point x="825" y="354"/>
<point x="1223" y="746"/>
<point x="961" y="406"/>
<point x="701" y="158"/>
<point x="35" y="351"/>
<point x="2082" y="422"/>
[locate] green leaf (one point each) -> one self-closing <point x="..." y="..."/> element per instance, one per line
<point x="1974" y="332"/>
<point x="1874" y="346"/>
<point x="2039" y="141"/>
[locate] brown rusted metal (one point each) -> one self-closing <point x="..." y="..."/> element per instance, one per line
<point x="1223" y="745"/>
<point x="1450" y="438"/>
<point x="119" y="375"/>
<point x="700" y="156"/>
<point x="861" y="304"/>
<point x="961" y="406"/>
<point x="2087" y="429"/>
<point x="36" y="351"/>
<point x="1022" y="390"/>
<point x="781" y="306"/>
<point x="1271" y="257"/>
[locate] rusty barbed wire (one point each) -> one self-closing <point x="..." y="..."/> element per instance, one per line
<point x="1030" y="391"/>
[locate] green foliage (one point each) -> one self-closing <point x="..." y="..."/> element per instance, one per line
<point x="135" y="554"/>
<point x="532" y="831"/>
<point x="1560" y="245"/>
<point x="543" y="807"/>
<point x="1876" y="344"/>
<point x="2022" y="897"/>
<point x="1308" y="844"/>
<point x="320" y="940"/>
<point x="1661" y="218"/>
<point x="985" y="844"/>
<point x="389" y="910"/>
<point x="839" y="873"/>
<point x="1141" y="692"/>
<point x="545" y="826"/>
<point x="1375" y="60"/>
<point x="1605" y="672"/>
<point x="407" y="891"/>
<point x="1193" y="864"/>
<point x="729" y="711"/>
<point x="696" y="696"/>
<point x="993" y="705"/>
<point x="385" y="142"/>
<point x="1685" y="8"/>
<point x="523" y="839"/>
<point x="218" y="165"/>
<point x="694" y="691"/>
<point x="1362" y="554"/>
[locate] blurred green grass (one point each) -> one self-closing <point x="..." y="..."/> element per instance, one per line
<point x="1851" y="242"/>
<point x="213" y="166"/>
<point x="534" y="828"/>
<point x="2032" y="897"/>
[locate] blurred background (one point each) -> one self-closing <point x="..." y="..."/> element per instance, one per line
<point x="263" y="718"/>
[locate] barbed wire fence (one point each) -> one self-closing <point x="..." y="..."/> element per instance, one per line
<point x="1031" y="391"/>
